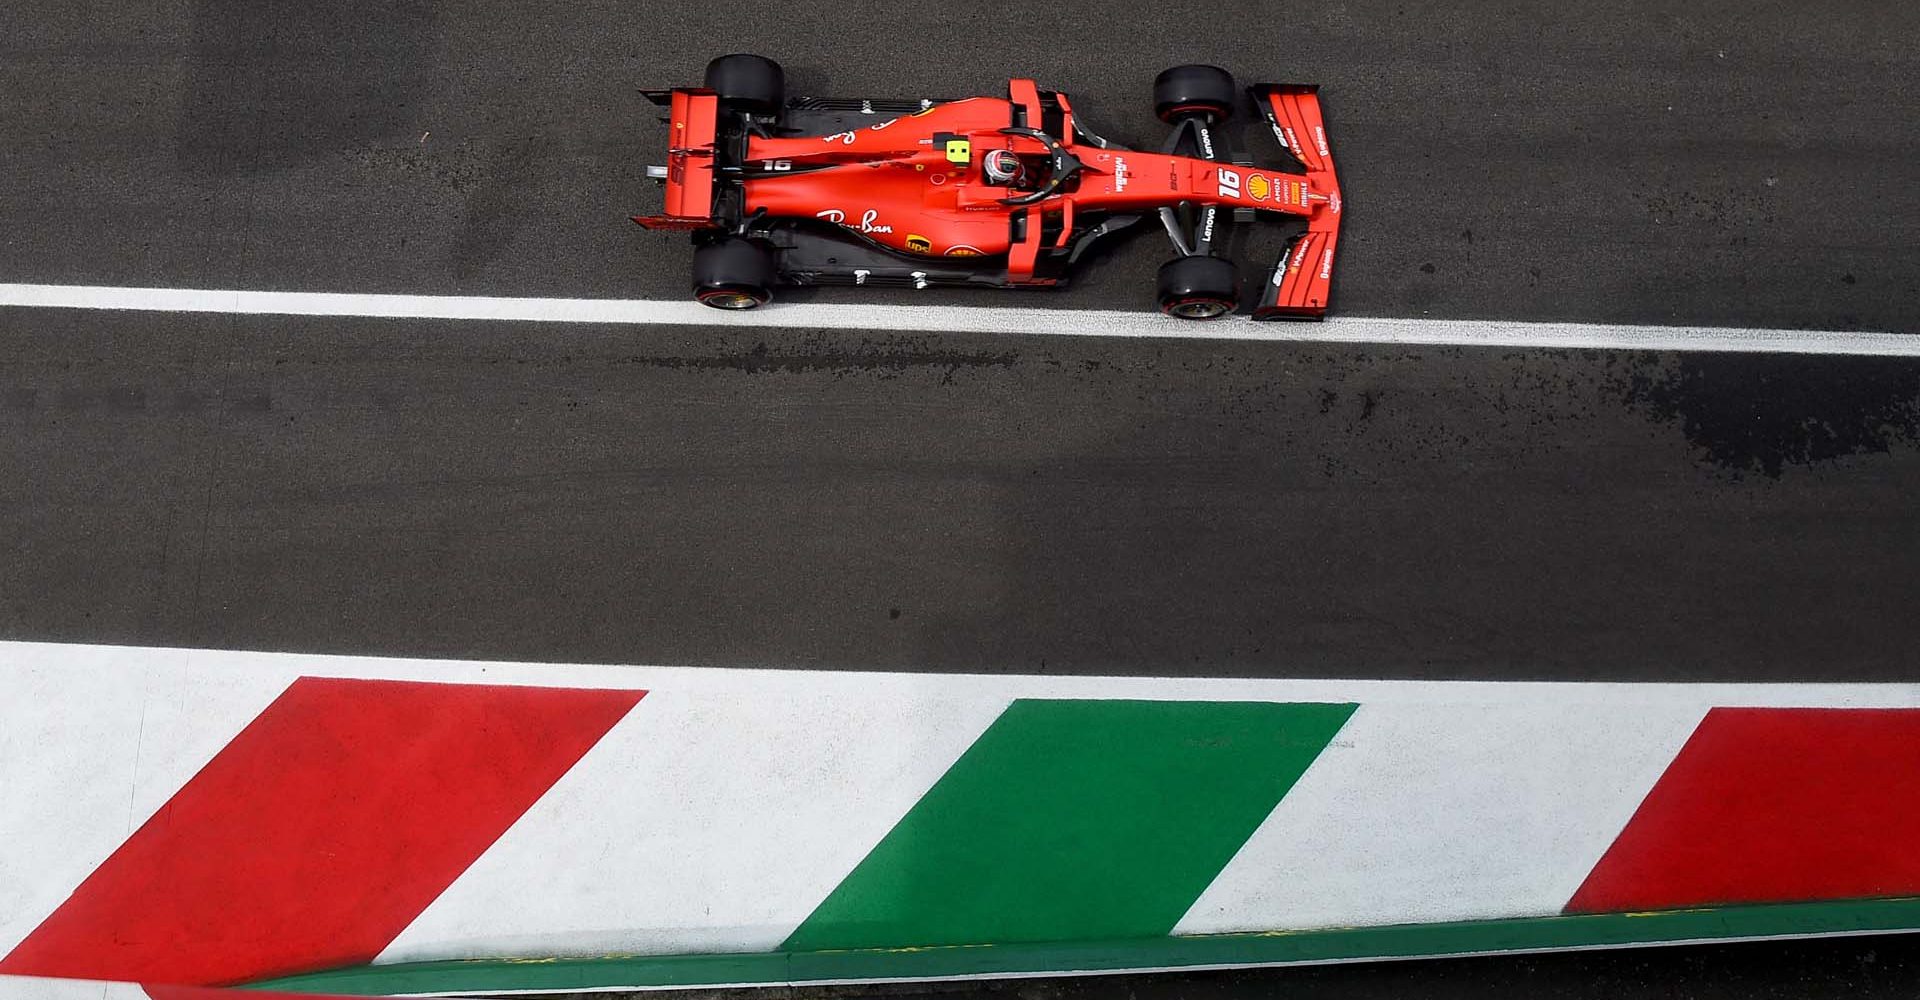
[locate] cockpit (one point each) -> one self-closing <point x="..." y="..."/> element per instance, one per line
<point x="1004" y="167"/>
<point x="1030" y="177"/>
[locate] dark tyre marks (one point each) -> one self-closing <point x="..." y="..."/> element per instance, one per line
<point x="1763" y="414"/>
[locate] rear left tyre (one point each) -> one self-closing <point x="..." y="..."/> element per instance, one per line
<point x="750" y="83"/>
<point x="1198" y="287"/>
<point x="1192" y="92"/>
<point x="733" y="274"/>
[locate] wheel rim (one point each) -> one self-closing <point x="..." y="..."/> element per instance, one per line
<point x="729" y="298"/>
<point x="1199" y="309"/>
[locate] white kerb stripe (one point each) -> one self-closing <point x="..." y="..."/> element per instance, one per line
<point x="1446" y="811"/>
<point x="90" y="748"/>
<point x="701" y="823"/>
<point x="1018" y="320"/>
<point x="35" y="988"/>
<point x="235" y="666"/>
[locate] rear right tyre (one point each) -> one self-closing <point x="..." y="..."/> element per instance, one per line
<point x="734" y="273"/>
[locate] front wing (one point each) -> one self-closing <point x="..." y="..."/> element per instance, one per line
<point x="1302" y="282"/>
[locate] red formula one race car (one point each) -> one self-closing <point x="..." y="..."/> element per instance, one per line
<point x="998" y="191"/>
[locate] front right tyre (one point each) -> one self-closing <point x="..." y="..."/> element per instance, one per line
<point x="1199" y="287"/>
<point x="734" y="273"/>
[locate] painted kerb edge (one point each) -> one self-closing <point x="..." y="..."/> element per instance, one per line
<point x="1224" y="950"/>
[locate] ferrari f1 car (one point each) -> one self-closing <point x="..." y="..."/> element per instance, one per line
<point x="1004" y="192"/>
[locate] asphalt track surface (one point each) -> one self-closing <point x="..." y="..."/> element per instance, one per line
<point x="978" y="500"/>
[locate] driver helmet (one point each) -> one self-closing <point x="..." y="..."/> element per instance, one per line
<point x="1003" y="167"/>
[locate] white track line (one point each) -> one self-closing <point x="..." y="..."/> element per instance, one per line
<point x="1026" y="320"/>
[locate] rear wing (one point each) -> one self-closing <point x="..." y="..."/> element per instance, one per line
<point x="692" y="122"/>
<point x="1302" y="281"/>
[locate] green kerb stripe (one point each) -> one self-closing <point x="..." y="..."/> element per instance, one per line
<point x="1075" y="820"/>
<point x="1406" y="941"/>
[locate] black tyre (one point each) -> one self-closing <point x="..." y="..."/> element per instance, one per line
<point x="1198" y="287"/>
<point x="748" y="83"/>
<point x="1189" y="91"/>
<point x="733" y="274"/>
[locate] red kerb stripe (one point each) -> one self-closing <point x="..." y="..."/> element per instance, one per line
<point x="1773" y="805"/>
<point x="320" y="831"/>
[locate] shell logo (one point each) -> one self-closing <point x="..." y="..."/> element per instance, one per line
<point x="1258" y="186"/>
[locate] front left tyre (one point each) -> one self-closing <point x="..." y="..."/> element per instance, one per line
<point x="1198" y="287"/>
<point x="734" y="273"/>
<point x="750" y="83"/>
<point x="1194" y="91"/>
